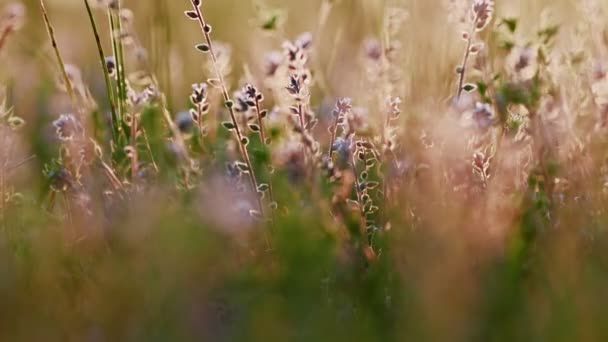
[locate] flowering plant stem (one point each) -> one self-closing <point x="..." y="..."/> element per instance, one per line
<point x="205" y="29"/>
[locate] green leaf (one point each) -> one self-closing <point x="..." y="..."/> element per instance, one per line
<point x="228" y="125"/>
<point x="511" y="24"/>
<point x="271" y="23"/>
<point x="469" y="87"/>
<point x="482" y="88"/>
<point x="202" y="47"/>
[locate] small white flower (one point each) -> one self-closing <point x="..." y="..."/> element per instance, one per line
<point x="66" y="127"/>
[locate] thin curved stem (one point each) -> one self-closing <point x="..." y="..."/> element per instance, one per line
<point x="465" y="58"/>
<point x="4" y="35"/>
<point x="66" y="78"/>
<point x="228" y="102"/>
<point x="265" y="143"/>
<point x="463" y="68"/>
<point x="106" y="72"/>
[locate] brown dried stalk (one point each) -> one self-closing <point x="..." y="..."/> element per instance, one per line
<point x="4" y="35"/>
<point x="12" y="19"/>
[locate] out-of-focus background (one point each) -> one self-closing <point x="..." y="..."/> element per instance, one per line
<point x="427" y="37"/>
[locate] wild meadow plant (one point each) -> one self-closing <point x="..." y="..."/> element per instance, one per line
<point x="303" y="167"/>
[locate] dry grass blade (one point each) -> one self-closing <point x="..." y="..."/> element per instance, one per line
<point x="62" y="68"/>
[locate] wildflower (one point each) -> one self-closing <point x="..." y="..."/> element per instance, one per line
<point x="67" y="127"/>
<point x="295" y="85"/>
<point x="372" y="49"/>
<point x="522" y="61"/>
<point x="481" y="13"/>
<point x="483" y="115"/>
<point x="304" y="40"/>
<point x="13" y="15"/>
<point x="60" y="180"/>
<point x="241" y="105"/>
<point x="199" y="93"/>
<point x="253" y="94"/>
<point x="272" y="62"/>
<point x="296" y="52"/>
<point x="342" y="148"/>
<point x="184" y="121"/>
<point x="344" y="105"/>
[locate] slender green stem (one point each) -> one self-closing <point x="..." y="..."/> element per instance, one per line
<point x="106" y="72"/>
<point x="260" y="121"/>
<point x="334" y="132"/>
<point x="115" y="32"/>
<point x="265" y="143"/>
<point x="134" y="156"/>
<point x="121" y="55"/>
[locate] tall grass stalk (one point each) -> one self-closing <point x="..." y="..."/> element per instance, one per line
<point x="162" y="42"/>
<point x="106" y="72"/>
<point x="121" y="55"/>
<point x="324" y="13"/>
<point x="64" y="74"/>
<point x="116" y="51"/>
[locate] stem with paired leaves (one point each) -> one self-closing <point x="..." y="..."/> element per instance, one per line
<point x="197" y="15"/>
<point x="481" y="15"/>
<point x="465" y="58"/>
<point x="257" y="98"/>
